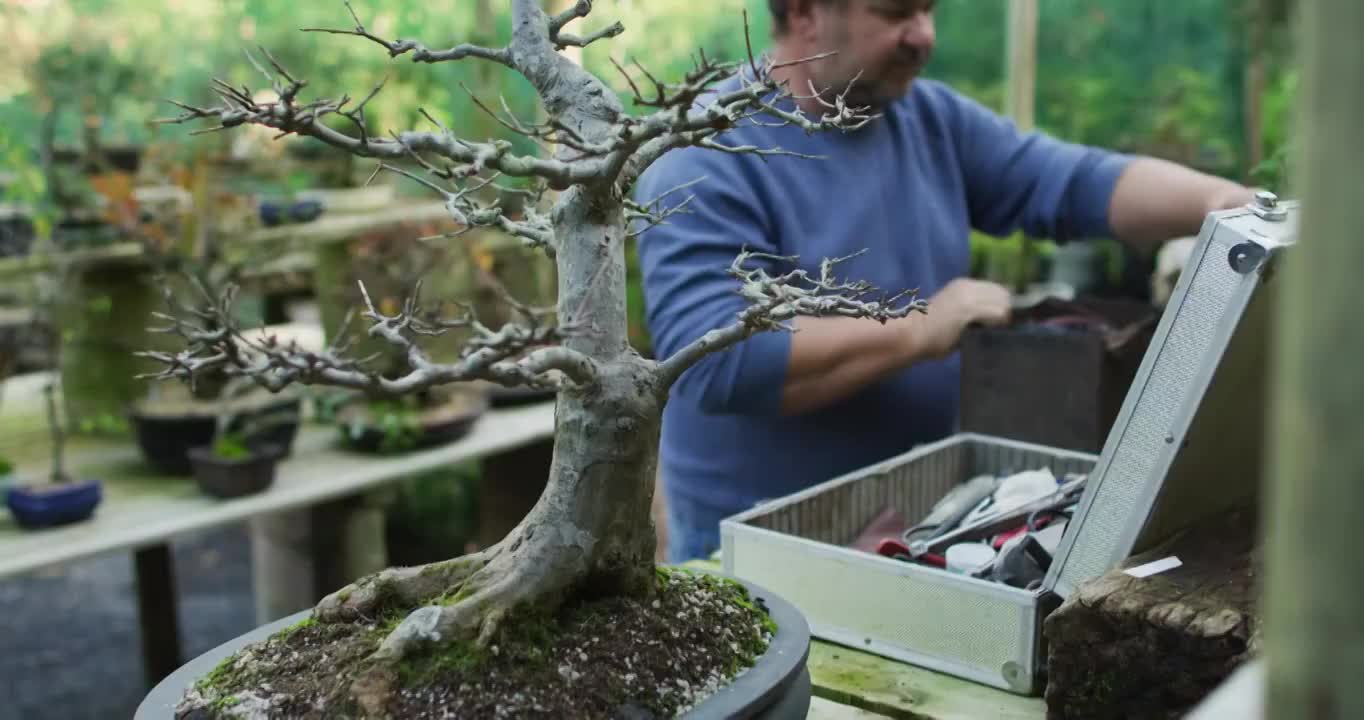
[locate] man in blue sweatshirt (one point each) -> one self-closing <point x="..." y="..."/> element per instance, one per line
<point x="782" y="411"/>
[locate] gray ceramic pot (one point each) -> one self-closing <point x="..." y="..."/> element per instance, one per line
<point x="776" y="688"/>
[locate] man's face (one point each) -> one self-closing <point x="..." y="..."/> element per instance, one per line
<point x="888" y="41"/>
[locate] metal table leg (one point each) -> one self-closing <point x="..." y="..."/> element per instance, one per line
<point x="158" y="612"/>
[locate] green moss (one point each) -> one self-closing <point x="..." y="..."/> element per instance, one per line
<point x="231" y="447"/>
<point x="744" y="600"/>
<point x="528" y="633"/>
<point x="286" y="632"/>
<point x="737" y="593"/>
<point x="386" y="597"/>
<point x="223" y="678"/>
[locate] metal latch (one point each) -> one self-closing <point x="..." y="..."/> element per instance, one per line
<point x="1266" y="205"/>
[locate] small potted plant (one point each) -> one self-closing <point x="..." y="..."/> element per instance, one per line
<point x="245" y="450"/>
<point x="231" y="468"/>
<point x="6" y="474"/>
<point x="422" y="420"/>
<point x="64" y="500"/>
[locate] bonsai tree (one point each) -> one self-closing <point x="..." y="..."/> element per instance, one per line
<point x="590" y="534"/>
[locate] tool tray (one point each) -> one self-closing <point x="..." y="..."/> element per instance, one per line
<point x="972" y="628"/>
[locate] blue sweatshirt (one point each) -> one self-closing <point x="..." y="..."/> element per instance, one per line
<point x="907" y="188"/>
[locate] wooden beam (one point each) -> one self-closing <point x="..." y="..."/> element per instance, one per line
<point x="1257" y="24"/>
<point x="1314" y="624"/>
<point x="1020" y="66"/>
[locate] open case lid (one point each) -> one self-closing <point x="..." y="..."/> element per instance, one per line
<point x="1187" y="442"/>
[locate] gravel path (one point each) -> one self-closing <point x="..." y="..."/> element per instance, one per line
<point x="69" y="636"/>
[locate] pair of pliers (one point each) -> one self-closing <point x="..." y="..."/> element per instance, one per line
<point x="893" y="548"/>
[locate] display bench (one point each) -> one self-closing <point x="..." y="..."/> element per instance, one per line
<point x="142" y="511"/>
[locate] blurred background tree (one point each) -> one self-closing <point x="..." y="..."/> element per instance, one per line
<point x="1159" y="77"/>
<point x="1203" y="82"/>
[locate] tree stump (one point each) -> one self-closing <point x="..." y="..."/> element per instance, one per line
<point x="1127" y="647"/>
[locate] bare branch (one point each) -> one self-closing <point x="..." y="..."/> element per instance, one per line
<point x="677" y="126"/>
<point x="650" y="213"/>
<point x="288" y="116"/>
<point x="580" y="9"/>
<point x="563" y="40"/>
<point x="554" y="131"/>
<point x="775" y="300"/>
<point x="420" y="53"/>
<point x="536" y="231"/>
<point x="514" y="354"/>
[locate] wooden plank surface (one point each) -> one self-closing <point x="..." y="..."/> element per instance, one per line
<point x="142" y="508"/>
<point x="821" y="709"/>
<point x="899" y="690"/>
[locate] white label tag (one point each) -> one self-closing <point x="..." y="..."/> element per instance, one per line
<point x="1151" y="568"/>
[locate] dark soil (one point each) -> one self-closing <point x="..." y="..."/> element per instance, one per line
<point x="611" y="657"/>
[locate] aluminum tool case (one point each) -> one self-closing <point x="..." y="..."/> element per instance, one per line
<point x="1186" y="445"/>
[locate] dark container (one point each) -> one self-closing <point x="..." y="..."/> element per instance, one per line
<point x="229" y="478"/>
<point x="1057" y="375"/>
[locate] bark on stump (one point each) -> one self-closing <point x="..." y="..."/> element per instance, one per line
<point x="1124" y="647"/>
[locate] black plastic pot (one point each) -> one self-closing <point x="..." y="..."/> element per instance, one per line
<point x="224" y="478"/>
<point x="278" y="433"/>
<point x="165" y="440"/>
<point x="373" y="438"/>
<point x="776" y="688"/>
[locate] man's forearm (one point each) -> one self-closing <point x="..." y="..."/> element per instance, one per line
<point x="1157" y="200"/>
<point x="833" y="357"/>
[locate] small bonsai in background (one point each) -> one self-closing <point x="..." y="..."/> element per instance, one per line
<point x="246" y="447"/>
<point x="62" y="499"/>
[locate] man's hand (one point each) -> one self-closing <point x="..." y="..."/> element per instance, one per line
<point x="833" y="357"/>
<point x="962" y="303"/>
<point x="1231" y="198"/>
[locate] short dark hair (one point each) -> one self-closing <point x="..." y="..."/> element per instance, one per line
<point x="778" y="9"/>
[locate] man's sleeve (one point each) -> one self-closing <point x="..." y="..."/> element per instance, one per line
<point x="1030" y="181"/>
<point x="687" y="286"/>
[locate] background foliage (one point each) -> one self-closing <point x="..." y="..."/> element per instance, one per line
<point x="1133" y="74"/>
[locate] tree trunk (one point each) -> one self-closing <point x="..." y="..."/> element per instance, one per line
<point x="1314" y="639"/>
<point x="591" y="532"/>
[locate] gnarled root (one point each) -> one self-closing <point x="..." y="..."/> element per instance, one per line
<point x="464" y="600"/>
<point x="517" y="574"/>
<point x="397" y="588"/>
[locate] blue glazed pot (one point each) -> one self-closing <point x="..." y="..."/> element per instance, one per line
<point x="39" y="506"/>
